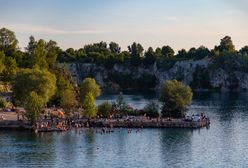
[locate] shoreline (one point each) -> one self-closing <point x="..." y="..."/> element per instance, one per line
<point x="104" y="123"/>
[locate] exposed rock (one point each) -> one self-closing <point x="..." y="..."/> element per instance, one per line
<point x="181" y="70"/>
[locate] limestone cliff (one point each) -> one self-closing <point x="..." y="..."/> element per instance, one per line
<point x="185" y="71"/>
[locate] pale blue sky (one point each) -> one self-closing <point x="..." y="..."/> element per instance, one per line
<point x="178" y="23"/>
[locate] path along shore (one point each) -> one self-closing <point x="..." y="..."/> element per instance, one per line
<point x="10" y="122"/>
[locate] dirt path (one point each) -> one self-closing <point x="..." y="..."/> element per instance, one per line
<point x="11" y="116"/>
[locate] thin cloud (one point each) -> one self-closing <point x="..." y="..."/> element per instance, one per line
<point x="26" y="28"/>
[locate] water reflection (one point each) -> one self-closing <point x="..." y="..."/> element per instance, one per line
<point x="176" y="146"/>
<point x="26" y="147"/>
<point x="224" y="144"/>
<point x="90" y="141"/>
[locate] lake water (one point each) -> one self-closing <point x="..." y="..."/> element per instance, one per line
<point x="224" y="144"/>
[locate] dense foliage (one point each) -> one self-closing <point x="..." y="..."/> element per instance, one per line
<point x="152" y="109"/>
<point x="42" y="82"/>
<point x="89" y="85"/>
<point x="33" y="105"/>
<point x="175" y="97"/>
<point x="120" y="107"/>
<point x="89" y="109"/>
<point x="37" y="77"/>
<point x="105" y="109"/>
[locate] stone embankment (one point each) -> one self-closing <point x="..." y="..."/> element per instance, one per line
<point x="154" y="123"/>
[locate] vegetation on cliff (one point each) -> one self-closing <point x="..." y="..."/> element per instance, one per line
<point x="46" y="55"/>
<point x="38" y="80"/>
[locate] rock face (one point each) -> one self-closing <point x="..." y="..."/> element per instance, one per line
<point x="181" y="70"/>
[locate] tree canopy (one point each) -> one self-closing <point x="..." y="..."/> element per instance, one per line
<point x="89" y="85"/>
<point x="45" y="55"/>
<point x="226" y="44"/>
<point x="105" y="109"/>
<point x="2" y="58"/>
<point x="41" y="82"/>
<point x="175" y="97"/>
<point x="33" y="105"/>
<point x="136" y="51"/>
<point x="89" y="109"/>
<point x="8" y="41"/>
<point x="167" y="51"/>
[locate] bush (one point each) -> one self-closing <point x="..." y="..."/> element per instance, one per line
<point x="105" y="109"/>
<point x="3" y="103"/>
<point x="120" y="107"/>
<point x="134" y="112"/>
<point x="152" y="109"/>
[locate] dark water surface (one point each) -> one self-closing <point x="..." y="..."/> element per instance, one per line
<point x="224" y="144"/>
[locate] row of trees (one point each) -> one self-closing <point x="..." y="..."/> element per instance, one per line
<point x="37" y="81"/>
<point x="33" y="89"/>
<point x="41" y="87"/>
<point x="40" y="53"/>
<point x="101" y="53"/>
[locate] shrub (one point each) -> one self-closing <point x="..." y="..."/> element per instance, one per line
<point x="105" y="109"/>
<point x="3" y="103"/>
<point x="152" y="109"/>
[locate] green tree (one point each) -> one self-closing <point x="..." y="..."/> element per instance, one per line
<point x="136" y="51"/>
<point x="33" y="105"/>
<point x="3" y="103"/>
<point x="30" y="49"/>
<point x="42" y="82"/>
<point x="31" y="45"/>
<point x="8" y="41"/>
<point x="152" y="109"/>
<point x="10" y="70"/>
<point x="191" y="53"/>
<point x="175" y="97"/>
<point x="114" y="48"/>
<point x="167" y="51"/>
<point x="89" y="85"/>
<point x="120" y="106"/>
<point x="61" y="84"/>
<point x="68" y="101"/>
<point x="39" y="57"/>
<point x="182" y="53"/>
<point x="202" y="52"/>
<point x="89" y="109"/>
<point x="244" y="51"/>
<point x="105" y="109"/>
<point x="51" y="53"/>
<point x="36" y="54"/>
<point x="226" y="44"/>
<point x="150" y="56"/>
<point x="20" y="58"/>
<point x="158" y="52"/>
<point x="2" y="60"/>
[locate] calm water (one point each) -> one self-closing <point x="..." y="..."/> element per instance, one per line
<point x="224" y="144"/>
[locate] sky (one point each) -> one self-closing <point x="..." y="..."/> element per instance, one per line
<point x="177" y="23"/>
